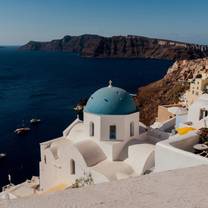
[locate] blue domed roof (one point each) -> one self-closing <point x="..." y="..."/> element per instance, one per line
<point x="111" y="101"/>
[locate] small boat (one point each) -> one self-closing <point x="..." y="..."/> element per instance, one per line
<point x="2" y="155"/>
<point x="78" y="108"/>
<point x="35" y="121"/>
<point x="21" y="130"/>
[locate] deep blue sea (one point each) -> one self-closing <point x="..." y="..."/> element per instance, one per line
<point x="47" y="85"/>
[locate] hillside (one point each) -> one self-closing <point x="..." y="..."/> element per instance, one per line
<point x="169" y="89"/>
<point x="122" y="47"/>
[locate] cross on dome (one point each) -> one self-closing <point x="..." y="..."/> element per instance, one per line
<point x="110" y="83"/>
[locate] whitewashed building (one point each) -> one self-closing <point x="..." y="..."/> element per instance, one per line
<point x="198" y="86"/>
<point x="184" y="149"/>
<point x="107" y="144"/>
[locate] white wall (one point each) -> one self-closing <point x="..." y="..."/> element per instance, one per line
<point x="102" y="131"/>
<point x="59" y="152"/>
<point x="141" y="157"/>
<point x="88" y="117"/>
<point x="194" y="111"/>
<point x="57" y="171"/>
<point x="103" y="122"/>
<point x="180" y="119"/>
<point x="175" y="153"/>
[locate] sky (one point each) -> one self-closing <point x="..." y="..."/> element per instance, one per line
<point x="41" y="20"/>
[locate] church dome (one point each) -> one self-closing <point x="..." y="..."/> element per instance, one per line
<point x="111" y="101"/>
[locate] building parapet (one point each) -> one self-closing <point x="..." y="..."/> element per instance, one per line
<point x="143" y="191"/>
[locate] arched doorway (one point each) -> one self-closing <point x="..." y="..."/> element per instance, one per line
<point x="72" y="167"/>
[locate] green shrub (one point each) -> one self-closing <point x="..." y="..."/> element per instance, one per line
<point x="85" y="180"/>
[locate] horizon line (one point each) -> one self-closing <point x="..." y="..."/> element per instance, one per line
<point x="105" y="36"/>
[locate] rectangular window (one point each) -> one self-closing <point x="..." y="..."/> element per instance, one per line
<point x="113" y="132"/>
<point x="203" y="114"/>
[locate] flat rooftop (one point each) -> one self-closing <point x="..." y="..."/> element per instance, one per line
<point x="185" y="188"/>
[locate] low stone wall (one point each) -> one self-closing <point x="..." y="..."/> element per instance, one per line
<point x="171" y="189"/>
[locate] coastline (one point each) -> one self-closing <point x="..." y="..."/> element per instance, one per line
<point x="48" y="86"/>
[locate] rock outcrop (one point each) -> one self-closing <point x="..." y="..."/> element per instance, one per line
<point x="169" y="89"/>
<point x="122" y="47"/>
<point x="188" y="69"/>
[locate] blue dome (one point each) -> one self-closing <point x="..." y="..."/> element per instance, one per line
<point x="111" y="101"/>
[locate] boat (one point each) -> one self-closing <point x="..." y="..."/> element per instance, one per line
<point x="22" y="130"/>
<point x="35" y="121"/>
<point x="78" y="108"/>
<point x="2" y="155"/>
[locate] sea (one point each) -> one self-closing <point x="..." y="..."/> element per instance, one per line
<point x="48" y="85"/>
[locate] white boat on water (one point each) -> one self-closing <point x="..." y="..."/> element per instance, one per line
<point x="2" y="155"/>
<point x="35" y="120"/>
<point x="22" y="130"/>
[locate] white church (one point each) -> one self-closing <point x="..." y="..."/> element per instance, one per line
<point x="110" y="143"/>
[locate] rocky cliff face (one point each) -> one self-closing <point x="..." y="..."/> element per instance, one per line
<point x="122" y="47"/>
<point x="188" y="69"/>
<point x="170" y="88"/>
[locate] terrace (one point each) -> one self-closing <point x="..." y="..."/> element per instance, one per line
<point x="179" y="151"/>
<point x="160" y="190"/>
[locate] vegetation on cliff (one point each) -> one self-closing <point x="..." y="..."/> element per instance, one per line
<point x="169" y="89"/>
<point x="161" y="92"/>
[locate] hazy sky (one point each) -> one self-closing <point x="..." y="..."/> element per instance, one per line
<point x="24" y="20"/>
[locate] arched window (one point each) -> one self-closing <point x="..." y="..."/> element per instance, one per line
<point x="72" y="167"/>
<point x="45" y="159"/>
<point x="113" y="132"/>
<point x="131" y="129"/>
<point x="92" y="129"/>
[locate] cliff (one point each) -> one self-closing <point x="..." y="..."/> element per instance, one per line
<point x="169" y="89"/>
<point x="121" y="47"/>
